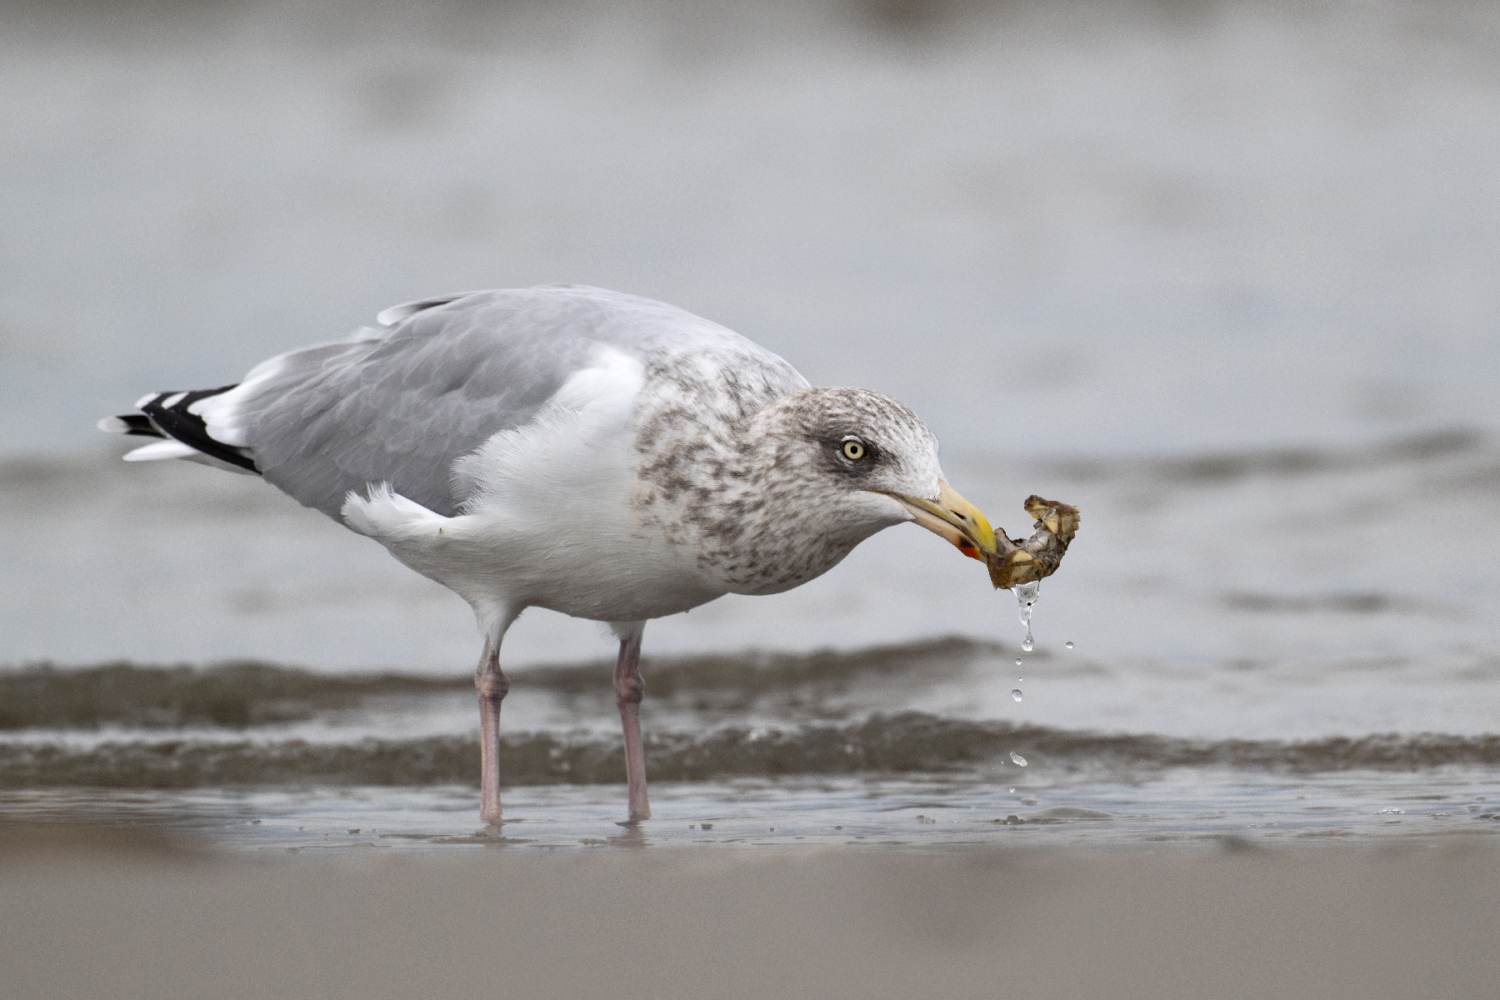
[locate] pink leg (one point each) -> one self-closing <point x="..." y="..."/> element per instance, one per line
<point x="493" y="686"/>
<point x="630" y="688"/>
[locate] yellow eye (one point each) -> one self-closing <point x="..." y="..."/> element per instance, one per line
<point x="855" y="450"/>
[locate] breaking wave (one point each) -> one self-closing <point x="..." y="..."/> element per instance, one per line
<point x="883" y="744"/>
<point x="245" y="694"/>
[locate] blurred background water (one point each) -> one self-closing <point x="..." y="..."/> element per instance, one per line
<point x="1222" y="274"/>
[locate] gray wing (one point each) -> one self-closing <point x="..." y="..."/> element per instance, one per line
<point x="402" y="405"/>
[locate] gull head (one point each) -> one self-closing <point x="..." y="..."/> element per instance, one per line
<point x="832" y="466"/>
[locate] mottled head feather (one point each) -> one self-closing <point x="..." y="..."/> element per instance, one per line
<point x="770" y="500"/>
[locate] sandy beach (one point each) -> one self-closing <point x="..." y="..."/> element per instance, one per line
<point x="96" y="919"/>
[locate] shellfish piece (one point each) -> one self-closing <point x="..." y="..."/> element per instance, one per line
<point x="1016" y="561"/>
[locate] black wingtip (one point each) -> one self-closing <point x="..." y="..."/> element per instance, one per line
<point x="189" y="428"/>
<point x="130" y="423"/>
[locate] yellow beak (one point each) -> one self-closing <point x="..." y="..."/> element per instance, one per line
<point x="954" y="518"/>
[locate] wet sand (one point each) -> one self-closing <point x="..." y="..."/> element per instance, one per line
<point x="90" y="919"/>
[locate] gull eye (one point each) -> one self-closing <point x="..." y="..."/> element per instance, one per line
<point x="854" y="450"/>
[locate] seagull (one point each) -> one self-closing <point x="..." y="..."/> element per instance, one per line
<point x="603" y="455"/>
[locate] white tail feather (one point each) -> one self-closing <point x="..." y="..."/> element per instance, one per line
<point x="162" y="450"/>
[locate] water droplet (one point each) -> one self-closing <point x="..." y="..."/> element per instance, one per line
<point x="1018" y="760"/>
<point x="1018" y="661"/>
<point x="1026" y="644"/>
<point x="1012" y="791"/>
<point x="1016" y="694"/>
<point x="1067" y="645"/>
<point x="1026" y="596"/>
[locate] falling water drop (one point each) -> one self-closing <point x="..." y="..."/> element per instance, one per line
<point x="1067" y="645"/>
<point x="1018" y="760"/>
<point x="1016" y="694"/>
<point x="1026" y="596"/>
<point x="1018" y="661"/>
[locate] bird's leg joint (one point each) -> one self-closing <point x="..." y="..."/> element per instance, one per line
<point x="493" y="686"/>
<point x="629" y="689"/>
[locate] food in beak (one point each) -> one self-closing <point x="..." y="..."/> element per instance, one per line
<point x="1015" y="561"/>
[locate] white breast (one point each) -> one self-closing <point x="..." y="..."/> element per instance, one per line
<point x="551" y="518"/>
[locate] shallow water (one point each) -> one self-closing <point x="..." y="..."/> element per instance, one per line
<point x="770" y="751"/>
<point x="1190" y="806"/>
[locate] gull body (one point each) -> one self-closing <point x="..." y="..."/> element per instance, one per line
<point x="599" y="454"/>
